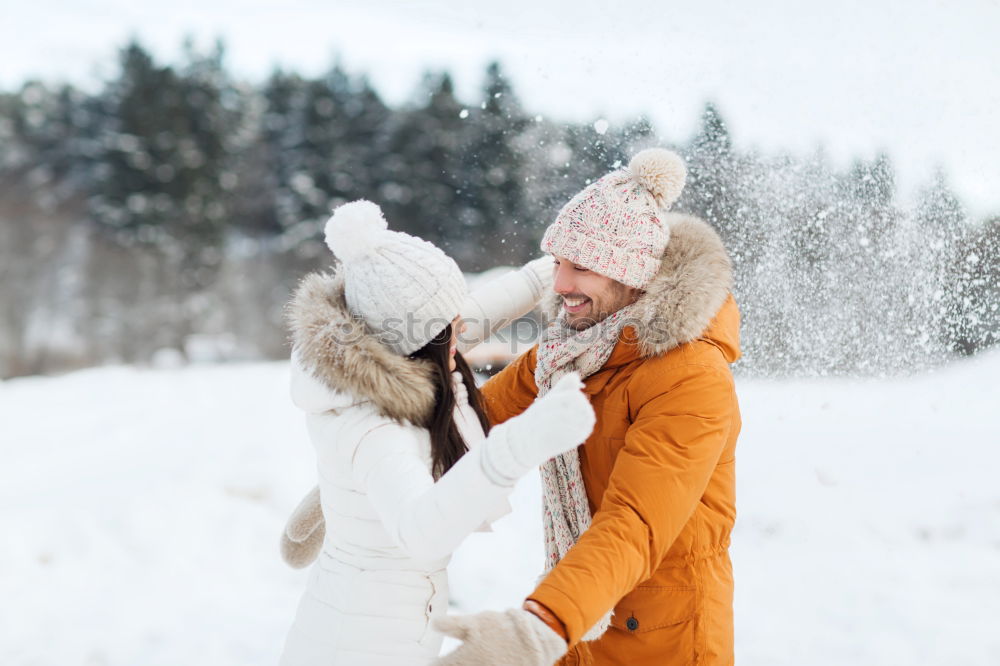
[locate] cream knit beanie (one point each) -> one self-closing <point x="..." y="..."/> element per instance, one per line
<point x="615" y="226"/>
<point x="406" y="289"/>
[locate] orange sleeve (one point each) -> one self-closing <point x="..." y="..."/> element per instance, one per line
<point x="512" y="390"/>
<point x="659" y="476"/>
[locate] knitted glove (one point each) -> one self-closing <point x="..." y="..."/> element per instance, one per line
<point x="557" y="422"/>
<point x="514" y="637"/>
<point x="543" y="270"/>
<point x="303" y="536"/>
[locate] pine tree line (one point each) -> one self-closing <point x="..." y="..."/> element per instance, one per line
<point x="176" y="207"/>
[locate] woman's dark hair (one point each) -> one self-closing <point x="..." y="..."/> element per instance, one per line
<point x="447" y="445"/>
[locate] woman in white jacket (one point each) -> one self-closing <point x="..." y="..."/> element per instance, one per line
<point x="408" y="465"/>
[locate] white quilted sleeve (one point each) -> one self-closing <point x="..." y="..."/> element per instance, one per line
<point x="426" y="519"/>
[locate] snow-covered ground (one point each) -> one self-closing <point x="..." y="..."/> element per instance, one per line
<point x="141" y="511"/>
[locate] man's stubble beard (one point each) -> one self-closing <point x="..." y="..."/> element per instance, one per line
<point x="618" y="297"/>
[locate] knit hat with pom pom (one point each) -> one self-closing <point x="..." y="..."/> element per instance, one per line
<point x="406" y="289"/>
<point x="615" y="226"/>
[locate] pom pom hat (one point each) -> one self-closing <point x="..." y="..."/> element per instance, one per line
<point x="615" y="226"/>
<point x="405" y="289"/>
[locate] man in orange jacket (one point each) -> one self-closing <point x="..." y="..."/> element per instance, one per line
<point x="638" y="518"/>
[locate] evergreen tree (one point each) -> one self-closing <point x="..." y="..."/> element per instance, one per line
<point x="423" y="182"/>
<point x="716" y="190"/>
<point x="711" y="186"/>
<point x="491" y="187"/>
<point x="872" y="274"/>
<point x="165" y="163"/>
<point x="972" y="323"/>
<point x="278" y="154"/>
<point x="935" y="234"/>
<point x="325" y="139"/>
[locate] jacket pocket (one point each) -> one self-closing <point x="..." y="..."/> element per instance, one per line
<point x="652" y="607"/>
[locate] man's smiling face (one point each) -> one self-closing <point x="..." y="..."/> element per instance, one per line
<point x="589" y="297"/>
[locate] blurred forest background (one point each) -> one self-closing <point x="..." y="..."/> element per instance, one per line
<point x="171" y="213"/>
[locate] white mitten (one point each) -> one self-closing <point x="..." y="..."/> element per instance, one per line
<point x="543" y="270"/>
<point x="559" y="421"/>
<point x="302" y="538"/>
<point x="514" y="637"/>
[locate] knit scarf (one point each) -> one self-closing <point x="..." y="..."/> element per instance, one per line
<point x="566" y="513"/>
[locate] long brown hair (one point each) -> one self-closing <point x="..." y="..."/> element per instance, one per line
<point x="447" y="445"/>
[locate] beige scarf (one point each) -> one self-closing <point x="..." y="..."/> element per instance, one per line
<point x="566" y="513"/>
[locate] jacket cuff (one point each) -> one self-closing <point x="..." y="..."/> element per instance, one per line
<point x="563" y="607"/>
<point x="546" y="616"/>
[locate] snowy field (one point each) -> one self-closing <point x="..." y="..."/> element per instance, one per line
<point x="141" y="511"/>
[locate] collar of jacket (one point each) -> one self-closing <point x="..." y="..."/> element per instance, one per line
<point x="338" y="350"/>
<point x="681" y="302"/>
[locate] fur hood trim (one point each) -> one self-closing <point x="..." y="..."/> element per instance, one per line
<point x="680" y="301"/>
<point x="342" y="354"/>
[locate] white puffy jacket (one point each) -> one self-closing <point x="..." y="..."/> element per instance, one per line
<point x="390" y="529"/>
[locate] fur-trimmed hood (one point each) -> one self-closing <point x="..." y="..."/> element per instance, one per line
<point x="681" y="300"/>
<point x="335" y="349"/>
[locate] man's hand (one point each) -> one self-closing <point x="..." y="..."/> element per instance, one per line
<point x="514" y="637"/>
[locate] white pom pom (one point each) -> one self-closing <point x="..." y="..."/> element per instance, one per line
<point x="660" y="171"/>
<point x="355" y="229"/>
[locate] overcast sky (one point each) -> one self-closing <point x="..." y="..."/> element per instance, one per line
<point x="919" y="79"/>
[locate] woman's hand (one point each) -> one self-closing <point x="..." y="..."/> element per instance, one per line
<point x="559" y="421"/>
<point x="303" y="536"/>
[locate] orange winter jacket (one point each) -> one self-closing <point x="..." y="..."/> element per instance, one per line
<point x="658" y="470"/>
